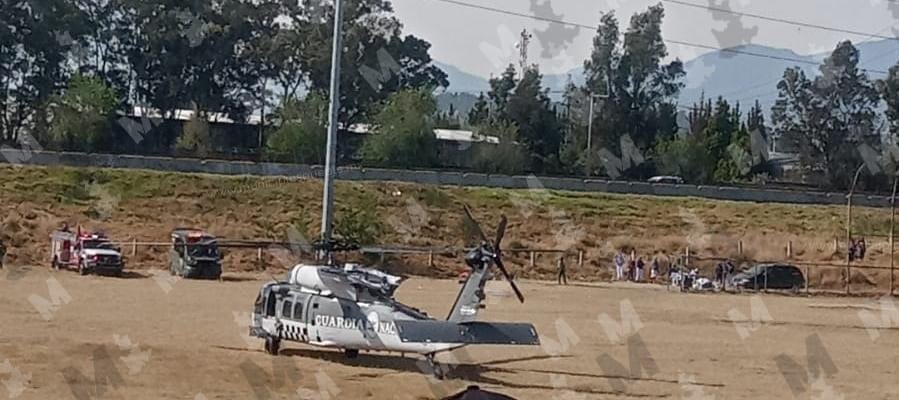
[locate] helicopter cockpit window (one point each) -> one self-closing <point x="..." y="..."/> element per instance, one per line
<point x="257" y="306"/>
<point x="270" y="305"/>
<point x="298" y="311"/>
<point x="286" y="308"/>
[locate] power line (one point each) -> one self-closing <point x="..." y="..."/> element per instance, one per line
<point x="769" y="93"/>
<point x="782" y="20"/>
<point x="680" y="42"/>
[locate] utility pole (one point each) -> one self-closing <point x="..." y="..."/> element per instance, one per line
<point x="849" y="227"/>
<point x="589" y="150"/>
<point x="593" y="97"/>
<point x="331" y="156"/>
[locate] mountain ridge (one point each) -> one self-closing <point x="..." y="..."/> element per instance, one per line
<point x="735" y="76"/>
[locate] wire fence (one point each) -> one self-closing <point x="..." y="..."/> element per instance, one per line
<point x="838" y="275"/>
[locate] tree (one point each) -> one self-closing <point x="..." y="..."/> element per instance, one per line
<point x="572" y="153"/>
<point x="31" y="61"/>
<point x="480" y="113"/>
<point x="195" y="137"/>
<point x="641" y="89"/>
<point x="755" y="122"/>
<point x="717" y="148"/>
<point x="507" y="157"/>
<point x="403" y="135"/>
<point x="378" y="61"/>
<point x="82" y="115"/>
<point x="889" y="89"/>
<point x="302" y="136"/>
<point x="526" y="104"/>
<point x="685" y="156"/>
<point x="501" y="89"/>
<point x="830" y="118"/>
<point x="539" y="129"/>
<point x="201" y="53"/>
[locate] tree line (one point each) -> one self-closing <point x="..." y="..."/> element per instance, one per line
<point x="67" y="67"/>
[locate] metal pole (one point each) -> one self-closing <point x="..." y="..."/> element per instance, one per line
<point x="849" y="226"/>
<point x="589" y="154"/>
<point x="892" y="233"/>
<point x="330" y="156"/>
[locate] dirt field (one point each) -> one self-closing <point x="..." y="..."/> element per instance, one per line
<point x="146" y="337"/>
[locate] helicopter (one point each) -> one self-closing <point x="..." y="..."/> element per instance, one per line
<point x="351" y="307"/>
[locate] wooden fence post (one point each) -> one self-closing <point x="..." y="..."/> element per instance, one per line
<point x="740" y="247"/>
<point x="533" y="259"/>
<point x="807" y="277"/>
<point x="836" y="245"/>
<point x="133" y="247"/>
<point x="580" y="259"/>
<point x="259" y="254"/>
<point x="789" y="249"/>
<point x="431" y="258"/>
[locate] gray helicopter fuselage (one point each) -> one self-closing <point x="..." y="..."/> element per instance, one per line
<point x="353" y="308"/>
<point x="296" y="313"/>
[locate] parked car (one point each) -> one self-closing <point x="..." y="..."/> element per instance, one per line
<point x="667" y="179"/>
<point x="769" y="276"/>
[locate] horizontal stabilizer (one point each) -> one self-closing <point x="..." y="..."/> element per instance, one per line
<point x="430" y="331"/>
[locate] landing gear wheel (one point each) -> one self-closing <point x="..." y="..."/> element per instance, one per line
<point x="272" y="345"/>
<point x="351" y="353"/>
<point x="436" y="369"/>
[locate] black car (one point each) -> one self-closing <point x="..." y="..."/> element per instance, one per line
<point x="769" y="276"/>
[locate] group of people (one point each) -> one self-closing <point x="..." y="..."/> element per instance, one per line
<point x="633" y="268"/>
<point x="724" y="270"/>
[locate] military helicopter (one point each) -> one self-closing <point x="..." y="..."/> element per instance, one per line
<point x="353" y="308"/>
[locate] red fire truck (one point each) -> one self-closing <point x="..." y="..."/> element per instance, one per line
<point x="86" y="252"/>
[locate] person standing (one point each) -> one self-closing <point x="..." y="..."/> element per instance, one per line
<point x="2" y="253"/>
<point x="719" y="273"/>
<point x="619" y="265"/>
<point x="638" y="271"/>
<point x="563" y="277"/>
<point x="654" y="270"/>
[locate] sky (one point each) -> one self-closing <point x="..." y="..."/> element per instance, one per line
<point x="483" y="43"/>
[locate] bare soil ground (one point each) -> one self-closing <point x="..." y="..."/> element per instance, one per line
<point x="145" y="337"/>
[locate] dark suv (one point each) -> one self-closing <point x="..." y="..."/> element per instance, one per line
<point x="194" y="254"/>
<point x="769" y="276"/>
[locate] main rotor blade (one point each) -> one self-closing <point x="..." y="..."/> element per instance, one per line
<point x="500" y="232"/>
<point x="499" y="264"/>
<point x="474" y="222"/>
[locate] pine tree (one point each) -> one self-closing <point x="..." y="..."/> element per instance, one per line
<point x="480" y="113"/>
<point x="641" y="89"/>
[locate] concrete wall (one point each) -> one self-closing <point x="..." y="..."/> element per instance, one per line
<point x="12" y="156"/>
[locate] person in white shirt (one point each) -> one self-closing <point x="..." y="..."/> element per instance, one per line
<point x="619" y="265"/>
